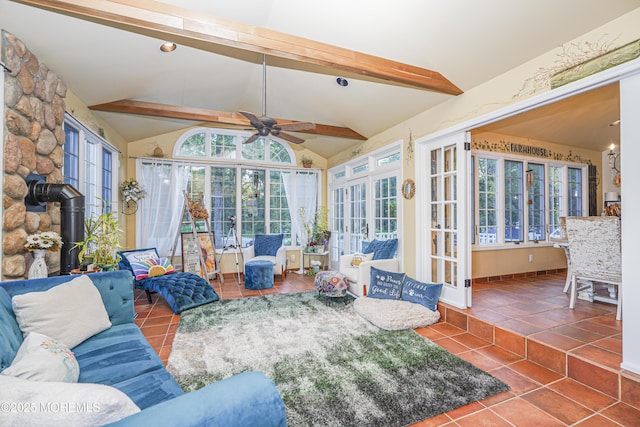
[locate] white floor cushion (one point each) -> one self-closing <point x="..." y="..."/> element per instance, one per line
<point x="394" y="315"/>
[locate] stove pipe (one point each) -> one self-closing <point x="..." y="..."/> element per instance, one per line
<point x="71" y="217"/>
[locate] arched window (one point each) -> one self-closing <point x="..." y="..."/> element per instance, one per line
<point x="223" y="144"/>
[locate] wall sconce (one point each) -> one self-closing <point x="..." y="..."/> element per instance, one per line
<point x="613" y="158"/>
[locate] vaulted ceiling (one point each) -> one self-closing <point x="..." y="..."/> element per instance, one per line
<point x="465" y="41"/>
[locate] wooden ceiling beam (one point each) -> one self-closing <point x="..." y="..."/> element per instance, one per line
<point x="131" y="106"/>
<point x="168" y="22"/>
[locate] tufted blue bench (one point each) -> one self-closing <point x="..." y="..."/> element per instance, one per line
<point x="181" y="290"/>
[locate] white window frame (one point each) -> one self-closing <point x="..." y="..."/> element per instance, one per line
<point x="500" y="243"/>
<point x="87" y="136"/>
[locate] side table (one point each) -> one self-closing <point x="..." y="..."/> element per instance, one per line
<point x="324" y="256"/>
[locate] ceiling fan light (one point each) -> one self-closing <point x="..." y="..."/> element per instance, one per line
<point x="342" y="81"/>
<point x="168" y="47"/>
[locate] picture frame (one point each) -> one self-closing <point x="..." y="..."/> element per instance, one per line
<point x="408" y="188"/>
<point x="191" y="251"/>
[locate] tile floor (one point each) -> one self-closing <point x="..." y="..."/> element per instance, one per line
<point x="520" y="330"/>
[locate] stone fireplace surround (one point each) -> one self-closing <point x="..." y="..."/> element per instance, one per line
<point x="34" y="109"/>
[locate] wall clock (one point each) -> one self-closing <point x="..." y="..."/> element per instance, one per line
<point x="408" y="188"/>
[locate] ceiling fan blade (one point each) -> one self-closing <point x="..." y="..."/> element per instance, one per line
<point x="255" y="121"/>
<point x="298" y="126"/>
<point x="252" y="138"/>
<point x="289" y="138"/>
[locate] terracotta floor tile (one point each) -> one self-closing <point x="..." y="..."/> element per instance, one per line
<point x="519" y="383"/>
<point x="480" y="329"/>
<point x="465" y="410"/>
<point x="613" y="344"/>
<point x="451" y="345"/>
<point x="558" y="406"/>
<point x="535" y="372"/>
<point x="491" y="316"/>
<point x="546" y="356"/>
<point x="447" y="329"/>
<point x="499" y="354"/>
<point x="471" y="341"/>
<point x="559" y="341"/>
<point x="596" y="327"/>
<point x="599" y="355"/>
<point x="481" y="361"/>
<point x="523" y="414"/>
<point x="511" y="341"/>
<point x="429" y="333"/>
<point x="158" y="320"/>
<point x="152" y="331"/>
<point x="623" y="414"/>
<point x="582" y="394"/>
<point x="484" y="418"/>
<point x="457" y="319"/>
<point x="597" y="421"/>
<point x="497" y="398"/>
<point x="586" y="372"/>
<point x="577" y="333"/>
<point x="520" y="327"/>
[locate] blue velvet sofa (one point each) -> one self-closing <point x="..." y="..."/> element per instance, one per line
<point x="121" y="357"/>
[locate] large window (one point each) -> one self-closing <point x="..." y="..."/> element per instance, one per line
<point x="243" y="183"/>
<point x="89" y="165"/>
<point x="521" y="201"/>
<point x="364" y="200"/>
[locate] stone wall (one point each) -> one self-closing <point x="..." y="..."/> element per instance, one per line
<point x="34" y="142"/>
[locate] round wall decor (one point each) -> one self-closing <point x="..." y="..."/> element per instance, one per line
<point x="408" y="188"/>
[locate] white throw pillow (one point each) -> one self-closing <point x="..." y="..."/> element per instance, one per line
<point x="35" y="403"/>
<point x="70" y="312"/>
<point x="41" y="358"/>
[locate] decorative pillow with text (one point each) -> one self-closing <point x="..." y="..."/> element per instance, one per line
<point x="426" y="294"/>
<point x="385" y="284"/>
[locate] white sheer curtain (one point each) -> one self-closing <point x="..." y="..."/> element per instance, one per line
<point x="301" y="189"/>
<point x="159" y="212"/>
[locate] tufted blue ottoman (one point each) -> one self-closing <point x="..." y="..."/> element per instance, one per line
<point x="258" y="274"/>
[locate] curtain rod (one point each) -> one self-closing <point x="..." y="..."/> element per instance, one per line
<point x="201" y="163"/>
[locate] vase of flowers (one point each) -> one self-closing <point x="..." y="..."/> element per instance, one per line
<point x="39" y="244"/>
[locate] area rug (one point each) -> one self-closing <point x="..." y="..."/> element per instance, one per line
<point x="331" y="367"/>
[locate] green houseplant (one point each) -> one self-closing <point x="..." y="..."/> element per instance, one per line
<point x="102" y="239"/>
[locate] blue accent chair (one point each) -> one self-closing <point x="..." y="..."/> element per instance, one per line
<point x="268" y="247"/>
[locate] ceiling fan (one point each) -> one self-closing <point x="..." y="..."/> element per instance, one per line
<point x="265" y="125"/>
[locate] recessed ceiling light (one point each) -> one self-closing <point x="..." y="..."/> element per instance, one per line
<point x="168" y="47"/>
<point x="342" y="81"/>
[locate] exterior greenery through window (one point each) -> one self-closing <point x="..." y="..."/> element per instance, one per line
<point x="89" y="163"/>
<point x="521" y="201"/>
<point x="252" y="191"/>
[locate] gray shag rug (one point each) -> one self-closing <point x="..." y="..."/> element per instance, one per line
<point x="331" y="367"/>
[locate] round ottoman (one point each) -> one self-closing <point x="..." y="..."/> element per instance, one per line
<point x="331" y="284"/>
<point x="258" y="274"/>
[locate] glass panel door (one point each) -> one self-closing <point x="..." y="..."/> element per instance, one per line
<point x="358" y="226"/>
<point x="447" y="259"/>
<point x="337" y="242"/>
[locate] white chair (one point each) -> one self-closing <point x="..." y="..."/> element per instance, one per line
<point x="359" y="276"/>
<point x="594" y="243"/>
<point x="267" y="243"/>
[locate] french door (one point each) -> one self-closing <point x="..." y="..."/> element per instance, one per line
<point x="358" y="230"/>
<point x="443" y="254"/>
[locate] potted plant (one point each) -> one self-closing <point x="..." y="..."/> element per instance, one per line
<point x="321" y="233"/>
<point x="306" y="161"/>
<point x="102" y="239"/>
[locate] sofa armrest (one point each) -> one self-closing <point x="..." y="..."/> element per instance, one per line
<point x="247" y="399"/>
<point x="345" y="261"/>
<point x="281" y="256"/>
<point x="248" y="253"/>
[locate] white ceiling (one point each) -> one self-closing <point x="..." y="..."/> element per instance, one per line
<point x="467" y="41"/>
